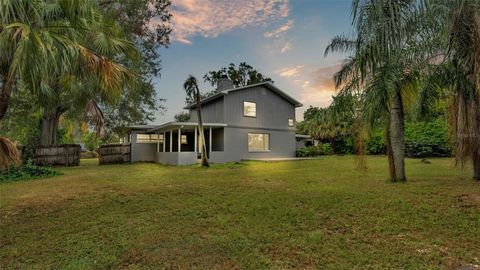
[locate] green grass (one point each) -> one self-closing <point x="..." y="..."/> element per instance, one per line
<point x="301" y="214"/>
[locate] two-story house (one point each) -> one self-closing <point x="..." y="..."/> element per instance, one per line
<point x="251" y="122"/>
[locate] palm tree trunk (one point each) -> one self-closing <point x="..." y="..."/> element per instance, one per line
<point x="396" y="137"/>
<point x="7" y="87"/>
<point x="203" y="146"/>
<point x="476" y="137"/>
<point x="391" y="164"/>
<point x="49" y="126"/>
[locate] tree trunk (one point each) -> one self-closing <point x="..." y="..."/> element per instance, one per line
<point x="476" y="137"/>
<point x="396" y="137"/>
<point x="7" y="87"/>
<point x="49" y="126"/>
<point x="203" y="145"/>
<point x="391" y="165"/>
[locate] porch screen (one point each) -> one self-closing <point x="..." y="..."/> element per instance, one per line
<point x="258" y="142"/>
<point x="149" y="138"/>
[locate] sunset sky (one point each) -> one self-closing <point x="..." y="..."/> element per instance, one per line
<point x="283" y="39"/>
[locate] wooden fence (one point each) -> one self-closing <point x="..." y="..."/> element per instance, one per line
<point x="114" y="153"/>
<point x="64" y="154"/>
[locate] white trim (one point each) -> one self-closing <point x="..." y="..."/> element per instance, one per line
<point x="164" y="140"/>
<point x="179" y="139"/>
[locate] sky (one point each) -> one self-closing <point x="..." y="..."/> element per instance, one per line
<point x="283" y="39"/>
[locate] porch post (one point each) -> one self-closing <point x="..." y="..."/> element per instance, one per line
<point x="158" y="143"/>
<point x="179" y="139"/>
<point x="210" y="140"/>
<point x="195" y="144"/>
<point x="171" y="140"/>
<point x="164" y="141"/>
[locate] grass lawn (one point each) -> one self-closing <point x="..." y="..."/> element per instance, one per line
<point x="299" y="214"/>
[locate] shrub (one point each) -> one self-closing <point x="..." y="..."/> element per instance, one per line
<point x="27" y="171"/>
<point x="313" y="151"/>
<point x="376" y="145"/>
<point x="89" y="154"/>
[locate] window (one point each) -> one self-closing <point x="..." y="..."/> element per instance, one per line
<point x="290" y="122"/>
<point x="183" y="139"/>
<point x="258" y="142"/>
<point x="149" y="138"/>
<point x="249" y="109"/>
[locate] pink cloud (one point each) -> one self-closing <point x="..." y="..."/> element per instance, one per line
<point x="286" y="47"/>
<point x="210" y="18"/>
<point x="282" y="29"/>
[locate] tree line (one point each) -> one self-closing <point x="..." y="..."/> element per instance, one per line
<point x="404" y="54"/>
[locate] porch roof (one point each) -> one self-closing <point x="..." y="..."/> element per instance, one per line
<point x="177" y="125"/>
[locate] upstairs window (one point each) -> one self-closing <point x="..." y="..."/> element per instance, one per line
<point x="249" y="109"/>
<point x="149" y="138"/>
<point x="290" y="122"/>
<point x="258" y="142"/>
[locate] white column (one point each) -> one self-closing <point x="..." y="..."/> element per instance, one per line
<point x="164" y="140"/>
<point x="195" y="144"/>
<point x="171" y="140"/>
<point x="158" y="143"/>
<point x="179" y="139"/>
<point x="210" y="140"/>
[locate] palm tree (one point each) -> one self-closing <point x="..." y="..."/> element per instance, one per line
<point x="382" y="68"/>
<point x="193" y="92"/>
<point x="49" y="47"/>
<point x="458" y="75"/>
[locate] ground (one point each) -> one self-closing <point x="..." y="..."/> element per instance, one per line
<point x="306" y="214"/>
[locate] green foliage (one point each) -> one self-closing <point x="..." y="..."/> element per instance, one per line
<point x="376" y="144"/>
<point x="434" y="132"/>
<point x="89" y="154"/>
<point x="313" y="151"/>
<point x="182" y="117"/>
<point x="28" y="171"/>
<point x="242" y="75"/>
<point x="91" y="141"/>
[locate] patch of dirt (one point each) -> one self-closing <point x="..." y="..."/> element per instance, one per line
<point x="468" y="200"/>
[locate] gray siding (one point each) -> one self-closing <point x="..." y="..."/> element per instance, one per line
<point x="142" y="151"/>
<point x="273" y="111"/>
<point x="212" y="112"/>
<point x="282" y="144"/>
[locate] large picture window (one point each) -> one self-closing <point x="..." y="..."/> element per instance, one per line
<point x="249" y="109"/>
<point x="149" y="138"/>
<point x="258" y="142"/>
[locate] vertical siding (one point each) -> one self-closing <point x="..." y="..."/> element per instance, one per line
<point x="212" y="112"/>
<point x="273" y="111"/>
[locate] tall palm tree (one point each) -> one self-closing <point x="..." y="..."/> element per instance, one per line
<point x="191" y="88"/>
<point x="458" y="75"/>
<point x="45" y="45"/>
<point x="381" y="67"/>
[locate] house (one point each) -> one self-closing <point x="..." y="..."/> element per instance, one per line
<point x="251" y="122"/>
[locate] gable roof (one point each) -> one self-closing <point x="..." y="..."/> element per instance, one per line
<point x="266" y="84"/>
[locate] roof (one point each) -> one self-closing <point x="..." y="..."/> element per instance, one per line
<point x="177" y="125"/>
<point x="266" y="84"/>
<point x="142" y="126"/>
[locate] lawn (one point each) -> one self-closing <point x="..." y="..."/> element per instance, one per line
<point x="309" y="214"/>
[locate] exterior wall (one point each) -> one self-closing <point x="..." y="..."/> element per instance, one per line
<point x="176" y="158"/>
<point x="142" y="151"/>
<point x="282" y="144"/>
<point x="273" y="111"/>
<point x="212" y="112"/>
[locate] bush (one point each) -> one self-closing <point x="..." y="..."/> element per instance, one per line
<point x="89" y="154"/>
<point x="376" y="145"/>
<point x="313" y="151"/>
<point x="27" y="171"/>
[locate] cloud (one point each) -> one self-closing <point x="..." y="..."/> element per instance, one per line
<point x="210" y="18"/>
<point x="286" y="47"/>
<point x="280" y="30"/>
<point x="318" y="88"/>
<point x="289" y="72"/>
